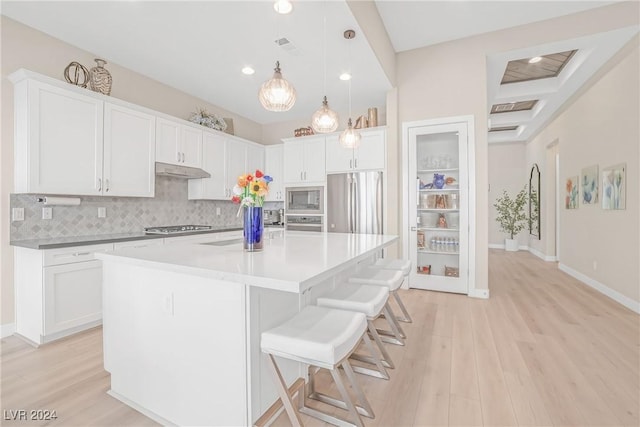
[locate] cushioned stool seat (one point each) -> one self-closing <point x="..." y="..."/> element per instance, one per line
<point x="391" y="279"/>
<point x="323" y="338"/>
<point x="316" y="334"/>
<point x="403" y="265"/>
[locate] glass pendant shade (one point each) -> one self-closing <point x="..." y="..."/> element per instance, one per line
<point x="350" y="137"/>
<point x="277" y="94"/>
<point x="324" y="120"/>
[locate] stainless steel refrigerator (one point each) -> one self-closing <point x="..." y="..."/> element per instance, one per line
<point x="354" y="202"/>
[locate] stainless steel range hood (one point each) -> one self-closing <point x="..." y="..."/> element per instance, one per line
<point x="179" y="171"/>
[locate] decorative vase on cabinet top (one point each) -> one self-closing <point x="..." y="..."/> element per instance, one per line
<point x="99" y="78"/>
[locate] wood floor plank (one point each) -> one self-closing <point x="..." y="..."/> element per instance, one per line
<point x="433" y="406"/>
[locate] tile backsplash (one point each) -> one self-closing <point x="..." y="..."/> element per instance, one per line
<point x="170" y="206"/>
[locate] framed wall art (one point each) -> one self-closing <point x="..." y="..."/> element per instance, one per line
<point x="571" y="195"/>
<point x="589" y="185"/>
<point x="614" y="187"/>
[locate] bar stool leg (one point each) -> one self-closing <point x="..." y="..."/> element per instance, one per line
<point x="396" y="335"/>
<point x="345" y="396"/>
<point x="385" y="360"/>
<point x="362" y="399"/>
<point x="293" y="413"/>
<point x="406" y="318"/>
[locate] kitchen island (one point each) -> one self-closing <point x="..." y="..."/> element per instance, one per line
<point x="182" y="324"/>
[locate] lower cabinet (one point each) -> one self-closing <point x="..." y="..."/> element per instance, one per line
<point x="72" y="296"/>
<point x="58" y="291"/>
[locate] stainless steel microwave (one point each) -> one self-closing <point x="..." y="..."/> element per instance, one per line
<point x="304" y="200"/>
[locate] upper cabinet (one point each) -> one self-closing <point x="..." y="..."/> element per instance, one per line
<point x="225" y="157"/>
<point x="370" y="155"/>
<point x="178" y="144"/>
<point x="129" y="152"/>
<point x="70" y="141"/>
<point x="274" y="167"/>
<point x="304" y="160"/>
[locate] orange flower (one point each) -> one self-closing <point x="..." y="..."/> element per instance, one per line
<point x="242" y="181"/>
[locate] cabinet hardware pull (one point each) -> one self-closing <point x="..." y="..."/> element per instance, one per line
<point x="182" y="157"/>
<point x="81" y="253"/>
<point x="355" y="162"/>
<point x="305" y="175"/>
<point x="301" y="178"/>
<point x="178" y="155"/>
<point x="99" y="184"/>
<point x="350" y="164"/>
<point x="106" y="188"/>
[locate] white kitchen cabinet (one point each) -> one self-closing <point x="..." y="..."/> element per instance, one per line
<point x="58" y="291"/>
<point x="178" y="144"/>
<point x="72" y="296"/>
<point x="274" y="167"/>
<point x="304" y="160"/>
<point x="73" y="141"/>
<point x="225" y="157"/>
<point x="129" y="152"/>
<point x="213" y="161"/>
<point x="58" y="146"/>
<point x="255" y="157"/>
<point x="370" y="155"/>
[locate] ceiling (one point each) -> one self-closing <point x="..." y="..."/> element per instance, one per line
<point x="200" y="47"/>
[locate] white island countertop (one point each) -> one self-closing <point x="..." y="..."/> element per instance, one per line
<point x="293" y="261"/>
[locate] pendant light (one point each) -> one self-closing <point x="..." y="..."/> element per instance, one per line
<point x="350" y="137"/>
<point x="324" y="120"/>
<point x="277" y="94"/>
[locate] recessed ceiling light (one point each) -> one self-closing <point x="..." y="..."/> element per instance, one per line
<point x="283" y="6"/>
<point x="345" y="76"/>
<point x="535" y="59"/>
<point x="248" y="71"/>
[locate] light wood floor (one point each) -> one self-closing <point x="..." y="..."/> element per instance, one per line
<point x="543" y="350"/>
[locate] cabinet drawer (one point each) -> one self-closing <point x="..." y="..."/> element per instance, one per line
<point x="138" y="244"/>
<point x="73" y="254"/>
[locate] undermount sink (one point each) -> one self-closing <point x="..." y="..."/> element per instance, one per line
<point x="223" y="242"/>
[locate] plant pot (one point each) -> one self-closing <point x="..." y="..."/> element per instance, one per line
<point x="510" y="245"/>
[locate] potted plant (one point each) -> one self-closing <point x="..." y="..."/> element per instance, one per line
<point x="511" y="216"/>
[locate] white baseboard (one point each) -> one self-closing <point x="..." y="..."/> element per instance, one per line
<point x="496" y="246"/>
<point x="603" y="289"/>
<point x="144" y="411"/>
<point x="7" y="330"/>
<point x="541" y="255"/>
<point x="479" y="293"/>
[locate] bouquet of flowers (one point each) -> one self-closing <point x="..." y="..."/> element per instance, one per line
<point x="210" y="120"/>
<point x="251" y="189"/>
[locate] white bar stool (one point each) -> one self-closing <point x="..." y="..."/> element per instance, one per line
<point x="324" y="338"/>
<point x="371" y="301"/>
<point x="403" y="265"/>
<point x="390" y="279"/>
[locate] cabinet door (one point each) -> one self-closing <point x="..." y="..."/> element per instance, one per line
<point x="339" y="158"/>
<point x="191" y="147"/>
<point x="371" y="152"/>
<point x="236" y="154"/>
<point x="293" y="154"/>
<point x="214" y="162"/>
<point x="167" y="142"/>
<point x="129" y="152"/>
<point x="255" y="158"/>
<point x="274" y="168"/>
<point x="314" y="159"/>
<point x="65" y="141"/>
<point x="72" y="295"/>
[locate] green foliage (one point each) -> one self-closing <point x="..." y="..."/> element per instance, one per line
<point x="512" y="217"/>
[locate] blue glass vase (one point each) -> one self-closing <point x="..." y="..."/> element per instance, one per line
<point x="253" y="228"/>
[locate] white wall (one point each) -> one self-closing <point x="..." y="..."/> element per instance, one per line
<point x="24" y="47"/>
<point x="600" y="126"/>
<point x="508" y="170"/>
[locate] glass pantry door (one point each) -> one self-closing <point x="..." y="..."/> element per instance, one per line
<point x="439" y="207"/>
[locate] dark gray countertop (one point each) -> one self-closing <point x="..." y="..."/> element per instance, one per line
<point x="65" y="242"/>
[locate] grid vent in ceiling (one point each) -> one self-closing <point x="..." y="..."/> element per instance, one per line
<point x="513" y="106"/>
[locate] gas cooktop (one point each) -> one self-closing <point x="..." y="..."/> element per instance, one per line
<point x="175" y="229"/>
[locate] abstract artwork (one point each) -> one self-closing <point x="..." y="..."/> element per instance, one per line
<point x="589" y="185"/>
<point x="571" y="196"/>
<point x="613" y="187"/>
